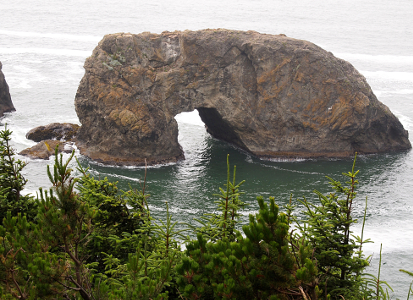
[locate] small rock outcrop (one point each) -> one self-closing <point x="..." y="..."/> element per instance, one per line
<point x="45" y="149"/>
<point x="271" y="95"/>
<point x="6" y="105"/>
<point x="49" y="137"/>
<point x="53" y="131"/>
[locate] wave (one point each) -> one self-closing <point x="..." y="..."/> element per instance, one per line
<point x="388" y="59"/>
<point x="177" y="210"/>
<point x="389" y="76"/>
<point x="289" y="170"/>
<point x="48" y="51"/>
<point x="397" y="92"/>
<point x="288" y="160"/>
<point x="190" y="118"/>
<point x="58" y="36"/>
<point x="118" y="176"/>
<point x="131" y="167"/>
<point x="405" y="120"/>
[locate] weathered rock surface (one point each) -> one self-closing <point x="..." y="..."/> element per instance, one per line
<point x="45" y="149"/>
<point x="270" y="95"/>
<point x="53" y="131"/>
<point x="50" y="136"/>
<point x="6" y="105"/>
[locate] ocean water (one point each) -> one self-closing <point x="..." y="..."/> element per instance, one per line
<point x="43" y="45"/>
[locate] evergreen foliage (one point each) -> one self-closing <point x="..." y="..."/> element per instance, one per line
<point x="12" y="182"/>
<point x="222" y="224"/>
<point x="27" y="270"/>
<point x="260" y="265"/>
<point x="328" y="229"/>
<point x="86" y="239"/>
<point x="119" y="223"/>
<point x="66" y="222"/>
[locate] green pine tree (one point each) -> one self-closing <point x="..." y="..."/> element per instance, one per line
<point x="12" y="182"/>
<point x="328" y="229"/>
<point x="223" y="224"/>
<point x="66" y="223"/>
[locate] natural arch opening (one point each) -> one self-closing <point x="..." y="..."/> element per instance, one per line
<point x="218" y="127"/>
<point x="190" y="117"/>
<point x="211" y="122"/>
<point x="191" y="135"/>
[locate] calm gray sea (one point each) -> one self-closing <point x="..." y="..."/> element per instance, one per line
<point x="44" y="43"/>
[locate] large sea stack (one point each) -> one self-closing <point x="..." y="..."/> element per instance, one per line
<point x="270" y="95"/>
<point x="5" y="100"/>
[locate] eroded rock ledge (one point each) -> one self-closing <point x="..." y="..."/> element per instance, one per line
<point x="270" y="95"/>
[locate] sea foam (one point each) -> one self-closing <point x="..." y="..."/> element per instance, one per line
<point x="387" y="59"/>
<point x="47" y="51"/>
<point x="58" y="36"/>
<point x="389" y="76"/>
<point x="190" y="118"/>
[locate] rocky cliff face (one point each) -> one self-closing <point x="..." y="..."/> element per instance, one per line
<point x="5" y="100"/>
<point x="270" y="95"/>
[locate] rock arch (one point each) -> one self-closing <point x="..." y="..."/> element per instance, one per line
<point x="269" y="95"/>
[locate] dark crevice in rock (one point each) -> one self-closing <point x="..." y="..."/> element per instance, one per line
<point x="218" y="127"/>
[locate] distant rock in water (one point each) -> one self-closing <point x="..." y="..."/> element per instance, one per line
<point x="53" y="131"/>
<point x="45" y="149"/>
<point x="6" y="105"/>
<point x="271" y="95"/>
<point x="49" y="137"/>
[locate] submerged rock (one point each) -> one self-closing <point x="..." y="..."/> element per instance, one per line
<point x="271" y="95"/>
<point x="6" y="105"/>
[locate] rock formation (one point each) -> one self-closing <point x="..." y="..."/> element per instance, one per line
<point x="50" y="136"/>
<point x="46" y="148"/>
<point x="5" y="100"/>
<point x="53" y="131"/>
<point x="270" y="95"/>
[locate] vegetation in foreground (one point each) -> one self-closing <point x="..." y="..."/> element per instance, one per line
<point x="86" y="239"/>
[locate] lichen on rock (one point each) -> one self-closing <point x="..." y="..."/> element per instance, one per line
<point x="270" y="95"/>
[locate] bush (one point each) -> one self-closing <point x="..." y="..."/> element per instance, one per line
<point x="86" y="239"/>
